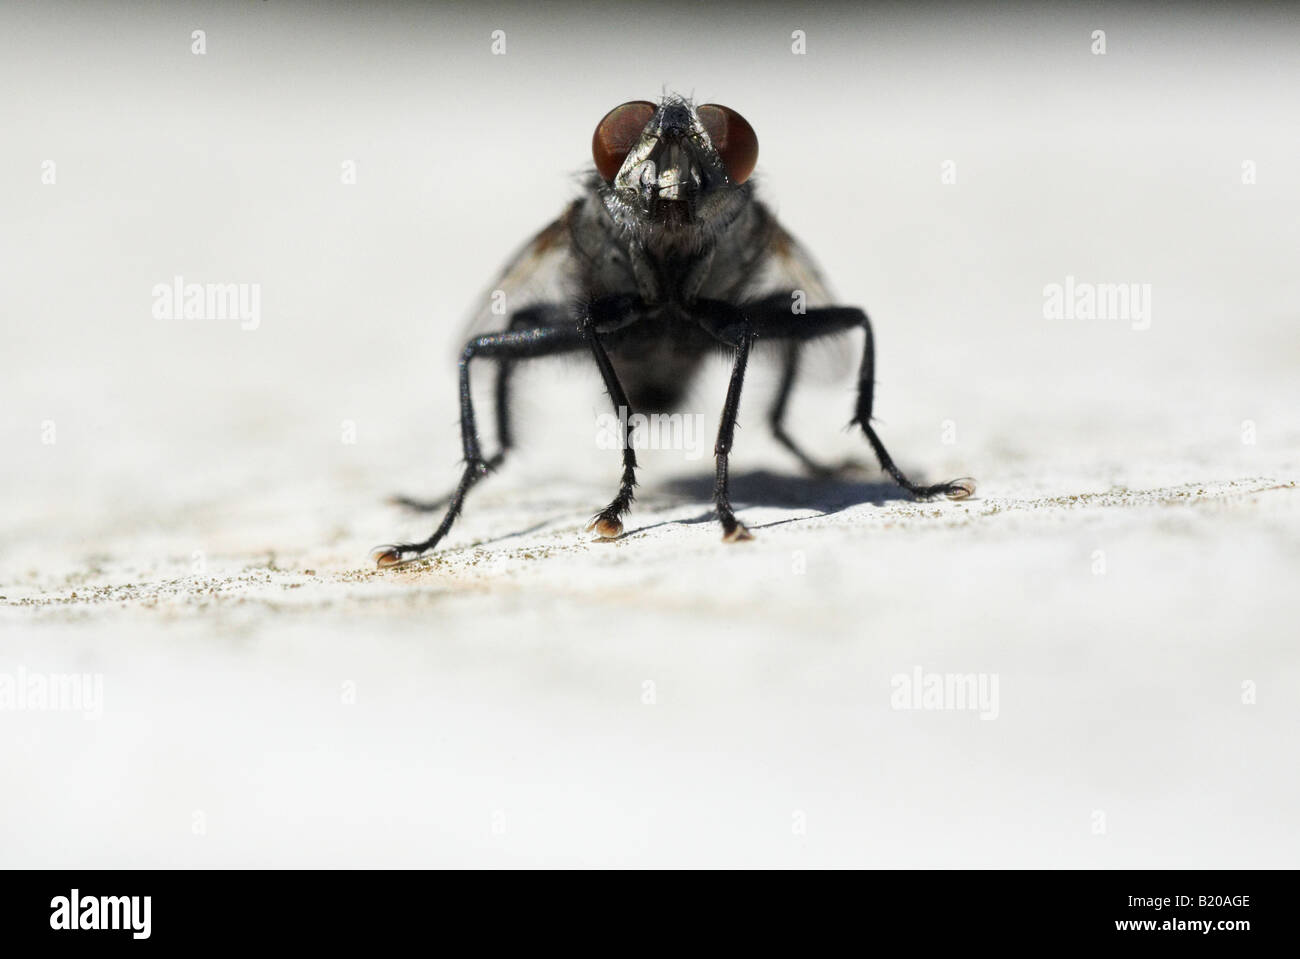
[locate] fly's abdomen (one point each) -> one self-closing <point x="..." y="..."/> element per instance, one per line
<point x="655" y="390"/>
<point x="656" y="371"/>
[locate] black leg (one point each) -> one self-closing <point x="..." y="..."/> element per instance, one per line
<point x="609" y="521"/>
<point x="772" y="319"/>
<point x="776" y="415"/>
<point x="731" y="327"/>
<point x="520" y="344"/>
<point x="953" y="489"/>
<point x="505" y="434"/>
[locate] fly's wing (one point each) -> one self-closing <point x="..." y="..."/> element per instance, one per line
<point x="540" y="271"/>
<point x="788" y="268"/>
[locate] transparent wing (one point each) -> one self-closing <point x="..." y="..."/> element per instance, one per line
<point x="788" y="267"/>
<point x="539" y="271"/>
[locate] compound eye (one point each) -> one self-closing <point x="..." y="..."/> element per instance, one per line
<point x="617" y="133"/>
<point x="733" y="138"/>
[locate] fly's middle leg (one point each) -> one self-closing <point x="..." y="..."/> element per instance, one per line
<point x="501" y="398"/>
<point x="952" y="489"/>
<point x="544" y="340"/>
<point x="774" y="321"/>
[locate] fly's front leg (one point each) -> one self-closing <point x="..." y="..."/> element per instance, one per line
<point x="728" y="325"/>
<point x="520" y="344"/>
<point x="606" y="317"/>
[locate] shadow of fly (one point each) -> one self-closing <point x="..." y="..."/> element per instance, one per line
<point x="666" y="258"/>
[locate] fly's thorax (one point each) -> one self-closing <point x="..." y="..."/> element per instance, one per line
<point x="662" y="264"/>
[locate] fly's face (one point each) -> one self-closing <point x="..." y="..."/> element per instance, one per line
<point x="674" y="167"/>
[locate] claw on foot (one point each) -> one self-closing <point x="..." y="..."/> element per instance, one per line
<point x="961" y="488"/>
<point x="737" y="534"/>
<point x="386" y="556"/>
<point x="608" y="527"/>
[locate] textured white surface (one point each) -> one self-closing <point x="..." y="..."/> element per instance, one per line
<point x="1128" y="564"/>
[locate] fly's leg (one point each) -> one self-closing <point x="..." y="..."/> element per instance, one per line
<point x="728" y="326"/>
<point x="776" y="417"/>
<point x="606" y="318"/>
<point x="770" y="321"/>
<point x="517" y="345"/>
<point x="505" y="433"/>
<point x="953" y="489"/>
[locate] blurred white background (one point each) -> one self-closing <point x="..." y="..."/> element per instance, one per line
<point x="164" y="538"/>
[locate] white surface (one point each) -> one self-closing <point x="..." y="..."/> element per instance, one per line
<point x="499" y="713"/>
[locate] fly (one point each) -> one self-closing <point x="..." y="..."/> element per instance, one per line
<point x="665" y="258"/>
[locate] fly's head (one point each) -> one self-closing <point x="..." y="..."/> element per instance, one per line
<point x="673" y="171"/>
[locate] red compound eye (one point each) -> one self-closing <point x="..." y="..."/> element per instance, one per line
<point x="733" y="138"/>
<point x="617" y="133"/>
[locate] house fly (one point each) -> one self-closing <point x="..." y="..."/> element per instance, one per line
<point x="666" y="258"/>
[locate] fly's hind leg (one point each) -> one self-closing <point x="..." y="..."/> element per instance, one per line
<point x="791" y="351"/>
